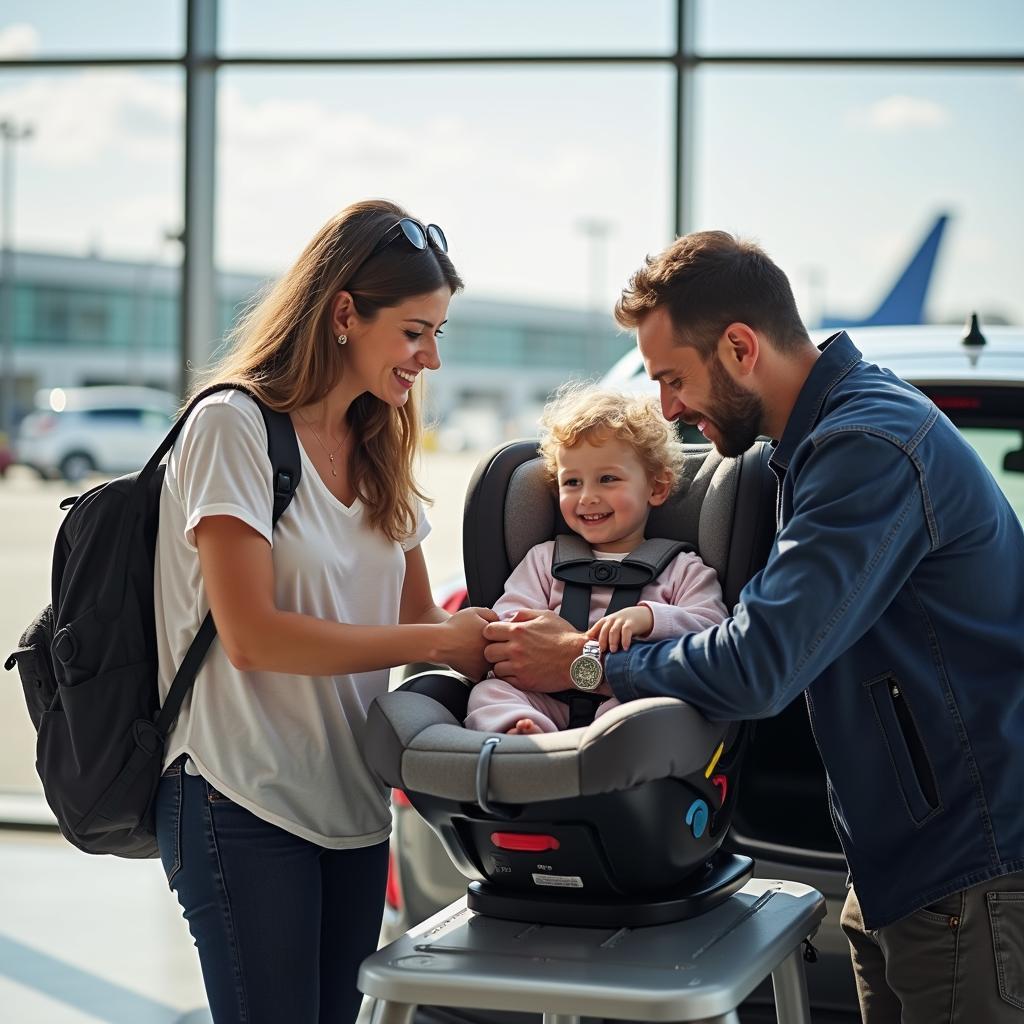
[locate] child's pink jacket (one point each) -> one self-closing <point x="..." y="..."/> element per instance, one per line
<point x="685" y="598"/>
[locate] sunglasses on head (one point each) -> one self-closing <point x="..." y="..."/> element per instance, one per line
<point x="414" y="233"/>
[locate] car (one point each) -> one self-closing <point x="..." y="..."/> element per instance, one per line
<point x="782" y="818"/>
<point x="73" y="432"/>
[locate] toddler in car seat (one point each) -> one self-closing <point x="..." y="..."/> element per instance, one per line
<point x="611" y="457"/>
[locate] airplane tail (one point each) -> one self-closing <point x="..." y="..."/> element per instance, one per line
<point x="905" y="302"/>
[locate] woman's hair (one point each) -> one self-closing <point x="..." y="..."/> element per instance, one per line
<point x="587" y="412"/>
<point x="284" y="348"/>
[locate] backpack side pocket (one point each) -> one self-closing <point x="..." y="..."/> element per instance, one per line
<point x="35" y="667"/>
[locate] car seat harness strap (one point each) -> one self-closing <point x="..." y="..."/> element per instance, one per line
<point x="573" y="563"/>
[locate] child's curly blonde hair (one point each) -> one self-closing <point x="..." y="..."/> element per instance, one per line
<point x="581" y="411"/>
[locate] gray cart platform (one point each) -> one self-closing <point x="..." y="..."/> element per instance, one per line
<point x="698" y="970"/>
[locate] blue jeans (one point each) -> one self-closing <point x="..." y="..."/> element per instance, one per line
<point x="280" y="923"/>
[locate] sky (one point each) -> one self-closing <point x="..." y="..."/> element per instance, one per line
<point x="551" y="183"/>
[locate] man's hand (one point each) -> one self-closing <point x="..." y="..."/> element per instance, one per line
<point x="533" y="651"/>
<point x="618" y="629"/>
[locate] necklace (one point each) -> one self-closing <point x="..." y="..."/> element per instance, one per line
<point x="330" y="451"/>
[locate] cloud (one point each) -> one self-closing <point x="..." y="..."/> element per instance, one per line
<point x="900" y="113"/>
<point x="17" y="41"/>
<point x="84" y="118"/>
<point x="322" y="157"/>
<point x="105" y="163"/>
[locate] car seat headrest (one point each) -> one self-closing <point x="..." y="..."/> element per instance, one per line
<point x="511" y="499"/>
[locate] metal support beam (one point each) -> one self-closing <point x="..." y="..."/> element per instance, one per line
<point x="683" y="122"/>
<point x="10" y="134"/>
<point x="199" y="321"/>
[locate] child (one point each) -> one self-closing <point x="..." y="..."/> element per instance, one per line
<point x="612" y="458"/>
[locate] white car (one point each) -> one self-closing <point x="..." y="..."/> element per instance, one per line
<point x="77" y="431"/>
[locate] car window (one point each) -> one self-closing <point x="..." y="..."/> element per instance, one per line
<point x="153" y="419"/>
<point x="993" y="445"/>
<point x="115" y="417"/>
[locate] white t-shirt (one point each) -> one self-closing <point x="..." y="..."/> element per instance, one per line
<point x="287" y="747"/>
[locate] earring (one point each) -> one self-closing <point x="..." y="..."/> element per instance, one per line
<point x="342" y="339"/>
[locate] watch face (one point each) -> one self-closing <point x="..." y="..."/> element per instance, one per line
<point x="585" y="673"/>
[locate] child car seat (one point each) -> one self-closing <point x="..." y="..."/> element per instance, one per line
<point x="616" y="824"/>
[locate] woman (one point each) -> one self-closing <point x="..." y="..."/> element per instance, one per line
<point x="272" y="831"/>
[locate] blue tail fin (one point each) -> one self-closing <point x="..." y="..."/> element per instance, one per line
<point x="905" y="302"/>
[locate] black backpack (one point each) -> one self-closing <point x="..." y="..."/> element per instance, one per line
<point x="88" y="663"/>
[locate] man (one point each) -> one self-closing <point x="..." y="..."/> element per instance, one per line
<point x="894" y="595"/>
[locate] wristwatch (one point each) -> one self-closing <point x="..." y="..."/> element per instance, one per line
<point x="585" y="671"/>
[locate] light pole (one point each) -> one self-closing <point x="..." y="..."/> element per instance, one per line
<point x="596" y="231"/>
<point x="144" y="313"/>
<point x="10" y="133"/>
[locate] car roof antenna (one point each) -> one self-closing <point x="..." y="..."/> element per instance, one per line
<point x="972" y="337"/>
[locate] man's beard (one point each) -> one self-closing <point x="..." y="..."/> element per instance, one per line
<point x="737" y="414"/>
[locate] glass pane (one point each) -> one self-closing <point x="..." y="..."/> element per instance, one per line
<point x="96" y="188"/>
<point x="840" y="175"/>
<point x="410" y="27"/>
<point x="101" y="28"/>
<point x="993" y="446"/>
<point x="914" y="27"/>
<point x="549" y="185"/>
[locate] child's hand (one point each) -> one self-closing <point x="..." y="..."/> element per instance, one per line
<point x="618" y="629"/>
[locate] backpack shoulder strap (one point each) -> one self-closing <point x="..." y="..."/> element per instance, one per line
<point x="147" y="471"/>
<point x="286" y="466"/>
<point x="285" y="461"/>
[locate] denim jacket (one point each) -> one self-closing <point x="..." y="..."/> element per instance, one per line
<point x="894" y="599"/>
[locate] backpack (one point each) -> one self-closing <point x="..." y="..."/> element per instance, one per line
<point x="88" y="662"/>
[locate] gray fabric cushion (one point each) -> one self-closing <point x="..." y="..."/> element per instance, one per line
<point x="393" y="721"/>
<point x="647" y="739"/>
<point x="716" y="511"/>
<point x="651" y="738"/>
<point x="531" y="511"/>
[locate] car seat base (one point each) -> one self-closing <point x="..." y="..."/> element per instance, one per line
<point x="702" y="891"/>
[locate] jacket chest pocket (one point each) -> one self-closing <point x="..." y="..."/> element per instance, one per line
<point x="914" y="773"/>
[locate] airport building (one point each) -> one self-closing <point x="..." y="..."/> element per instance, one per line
<point x="88" y="320"/>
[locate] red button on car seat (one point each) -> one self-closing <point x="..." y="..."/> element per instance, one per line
<point x="529" y="841"/>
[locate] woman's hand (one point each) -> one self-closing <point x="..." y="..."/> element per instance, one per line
<point x="462" y="642"/>
<point x="618" y="629"/>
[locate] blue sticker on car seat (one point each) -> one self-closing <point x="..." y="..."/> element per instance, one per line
<point x="697" y="818"/>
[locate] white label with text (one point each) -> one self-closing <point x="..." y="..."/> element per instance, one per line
<point x="560" y="881"/>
